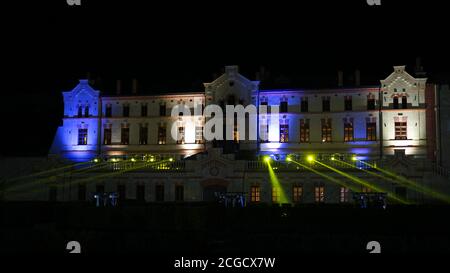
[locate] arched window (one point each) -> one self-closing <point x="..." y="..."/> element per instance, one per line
<point x="86" y="111"/>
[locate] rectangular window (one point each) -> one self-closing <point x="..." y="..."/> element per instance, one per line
<point x="82" y="136"/>
<point x="283" y="107"/>
<point x="395" y="102"/>
<point x="326" y="130"/>
<point x="275" y="194"/>
<point x="140" y="193"/>
<point x="162" y="110"/>
<point x="284" y="133"/>
<point x="143" y="135"/>
<point x="264" y="132"/>
<point x="344" y="195"/>
<point x="144" y="110"/>
<point x="126" y="110"/>
<point x="404" y="102"/>
<point x="366" y="190"/>
<point x="348" y="103"/>
<point x="371" y="131"/>
<point x="348" y="131"/>
<point x="162" y="134"/>
<point x="304" y="130"/>
<point x="107" y="133"/>
<point x="236" y="133"/>
<point x="159" y="193"/>
<point x="179" y="193"/>
<point x="401" y="130"/>
<point x="125" y="136"/>
<point x="370" y="103"/>
<point x="108" y="111"/>
<point x="297" y="193"/>
<point x="180" y="136"/>
<point x="265" y="103"/>
<point x="304" y="105"/>
<point x="326" y="104"/>
<point x="199" y="135"/>
<point x="319" y="194"/>
<point x="255" y="194"/>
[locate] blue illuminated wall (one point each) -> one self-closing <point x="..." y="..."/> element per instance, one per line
<point x="84" y="100"/>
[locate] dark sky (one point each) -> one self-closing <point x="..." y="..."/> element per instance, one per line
<point x="174" y="46"/>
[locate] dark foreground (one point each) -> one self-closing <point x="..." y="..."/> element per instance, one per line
<point x="201" y="228"/>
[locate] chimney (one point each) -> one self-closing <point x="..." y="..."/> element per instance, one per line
<point x="340" y="78"/>
<point x="418" y="70"/>
<point x="357" y="77"/>
<point x="118" y="87"/>
<point x="134" y="86"/>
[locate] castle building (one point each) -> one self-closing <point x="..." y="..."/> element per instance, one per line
<point x="395" y="125"/>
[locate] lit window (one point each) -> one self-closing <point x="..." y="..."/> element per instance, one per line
<point x="82" y="136"/>
<point x="401" y="130"/>
<point x="236" y="133"/>
<point x="326" y="130"/>
<point x="275" y="194"/>
<point x="284" y="133"/>
<point x="371" y="131"/>
<point x="297" y="193"/>
<point x="304" y="130"/>
<point x="348" y="131"/>
<point x="344" y="195"/>
<point x="319" y="194"/>
<point x="255" y="194"/>
<point x="199" y="135"/>
<point x="366" y="190"/>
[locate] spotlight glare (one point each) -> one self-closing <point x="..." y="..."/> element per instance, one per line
<point x="96" y="160"/>
<point x="332" y="158"/>
<point x="354" y="158"/>
<point x="310" y="158"/>
<point x="133" y="160"/>
<point x="171" y="159"/>
<point x="267" y="158"/>
<point x="288" y="158"/>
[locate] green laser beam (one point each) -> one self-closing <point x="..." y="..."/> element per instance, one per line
<point x="276" y="183"/>
<point x="332" y="179"/>
<point x="364" y="183"/>
<point x="414" y="185"/>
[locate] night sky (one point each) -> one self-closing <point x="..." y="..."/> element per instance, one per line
<point x="174" y="47"/>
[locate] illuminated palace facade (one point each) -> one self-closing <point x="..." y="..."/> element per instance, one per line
<point x="392" y="126"/>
